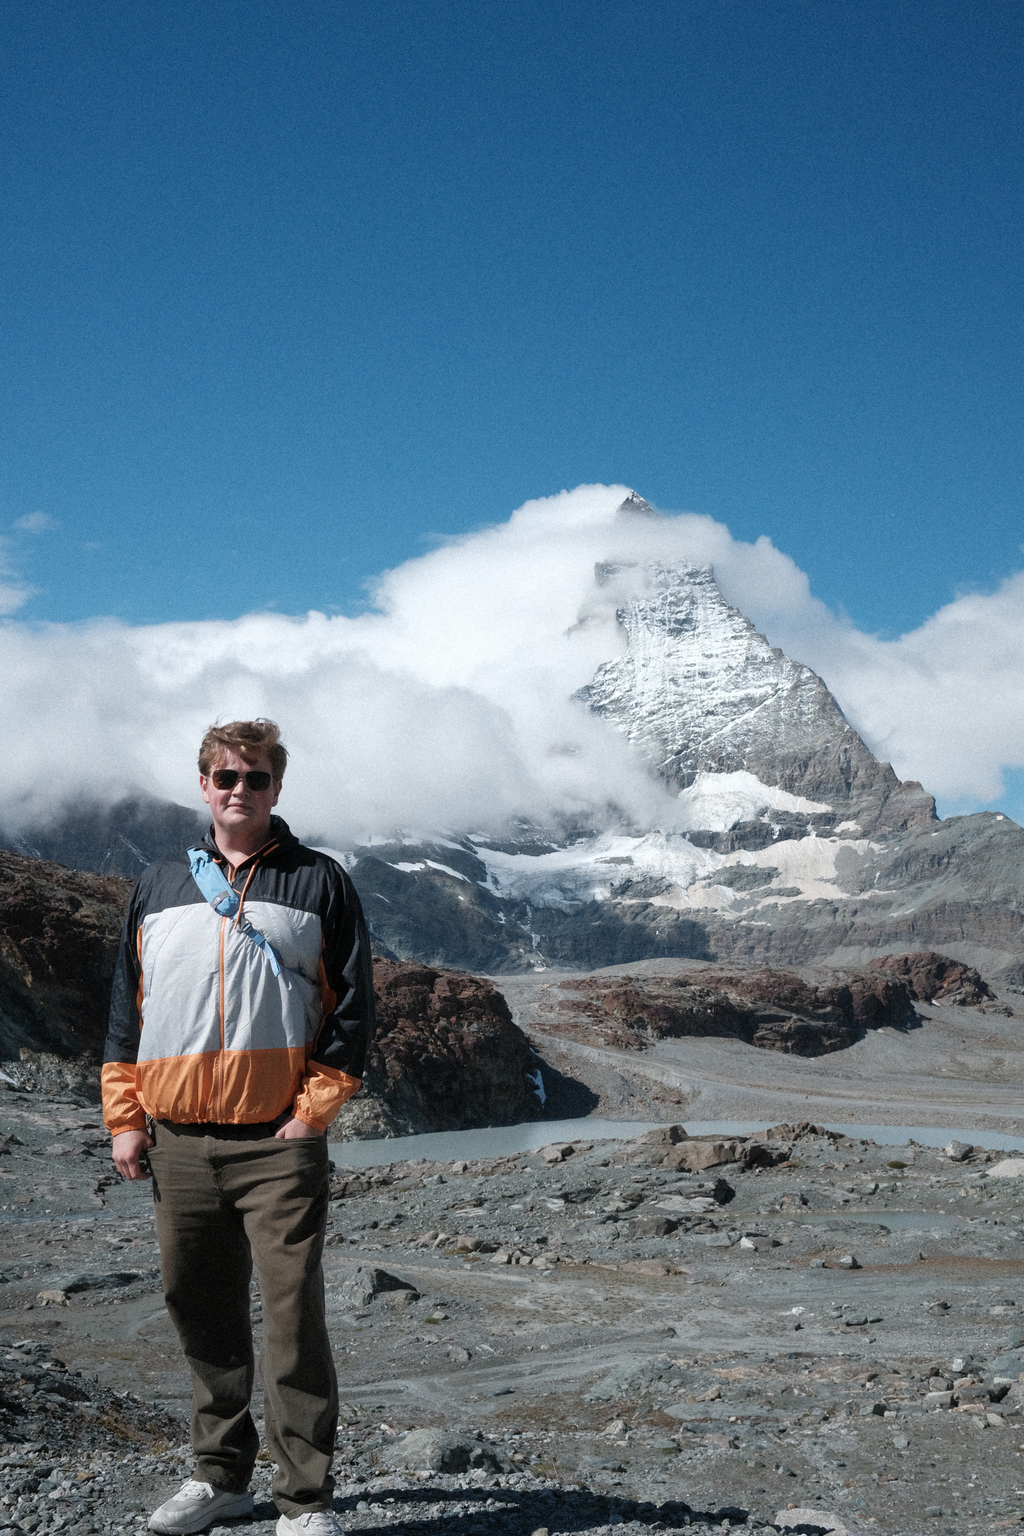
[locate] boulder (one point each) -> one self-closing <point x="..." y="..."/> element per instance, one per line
<point x="695" y="1155"/>
<point x="1008" y="1168"/>
<point x="439" y="1450"/>
<point x="815" y="1522"/>
<point x="366" y="1284"/>
<point x="651" y="1226"/>
<point x="94" y="1281"/>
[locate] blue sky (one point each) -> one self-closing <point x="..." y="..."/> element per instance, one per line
<point x="293" y="293"/>
<point x="290" y="291"/>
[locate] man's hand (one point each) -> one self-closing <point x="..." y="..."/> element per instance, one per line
<point x="125" y="1150"/>
<point x="295" y="1130"/>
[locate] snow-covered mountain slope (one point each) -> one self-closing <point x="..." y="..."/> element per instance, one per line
<point x="700" y="691"/>
<point x="788" y="841"/>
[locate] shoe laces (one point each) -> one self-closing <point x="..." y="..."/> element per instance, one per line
<point x="319" y="1522"/>
<point x="194" y="1490"/>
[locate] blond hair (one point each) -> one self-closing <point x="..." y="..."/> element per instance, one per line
<point x="250" y="739"/>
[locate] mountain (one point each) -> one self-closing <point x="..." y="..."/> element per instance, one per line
<point x="785" y="840"/>
<point x="699" y="691"/>
<point x="116" y="839"/>
<point x="792" y="843"/>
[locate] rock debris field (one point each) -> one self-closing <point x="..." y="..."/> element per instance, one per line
<point x="796" y="1330"/>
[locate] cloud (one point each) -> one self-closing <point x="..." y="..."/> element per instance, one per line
<point x="14" y="594"/>
<point x="34" y="522"/>
<point x="945" y="703"/>
<point x="449" y="704"/>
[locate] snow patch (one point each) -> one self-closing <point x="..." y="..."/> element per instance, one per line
<point x="715" y="802"/>
<point x="446" y="869"/>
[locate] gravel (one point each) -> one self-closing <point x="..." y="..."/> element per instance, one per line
<point x="604" y="1374"/>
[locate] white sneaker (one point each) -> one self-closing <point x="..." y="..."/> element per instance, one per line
<point x="197" y="1505"/>
<point x="319" y="1522"/>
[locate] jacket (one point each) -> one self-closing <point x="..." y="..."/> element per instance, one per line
<point x="201" y="1031"/>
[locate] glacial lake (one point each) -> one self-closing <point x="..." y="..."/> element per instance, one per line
<point x="502" y="1140"/>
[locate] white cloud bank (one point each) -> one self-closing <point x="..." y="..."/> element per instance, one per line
<point x="449" y="704"/>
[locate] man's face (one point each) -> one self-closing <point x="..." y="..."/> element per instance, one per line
<point x="241" y="814"/>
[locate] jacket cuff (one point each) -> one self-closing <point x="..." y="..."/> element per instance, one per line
<point x="323" y="1092"/>
<point x="121" y="1108"/>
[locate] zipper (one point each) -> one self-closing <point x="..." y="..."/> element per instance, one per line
<point x="218" y="1071"/>
<point x="217" y="1091"/>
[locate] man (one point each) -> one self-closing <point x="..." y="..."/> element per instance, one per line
<point x="234" y="1041"/>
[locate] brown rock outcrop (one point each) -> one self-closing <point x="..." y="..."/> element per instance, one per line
<point x="59" y="932"/>
<point x="776" y="1010"/>
<point x="446" y="1056"/>
<point x="936" y="978"/>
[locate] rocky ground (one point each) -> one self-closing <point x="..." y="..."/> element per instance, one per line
<point x="793" y="1328"/>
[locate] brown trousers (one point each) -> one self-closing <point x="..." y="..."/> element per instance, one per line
<point x="226" y="1195"/>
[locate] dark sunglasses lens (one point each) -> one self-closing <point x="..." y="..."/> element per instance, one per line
<point x="258" y="779"/>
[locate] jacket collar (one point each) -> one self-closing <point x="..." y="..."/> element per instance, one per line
<point x="281" y="836"/>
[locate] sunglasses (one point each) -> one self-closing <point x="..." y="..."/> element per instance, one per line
<point x="226" y="778"/>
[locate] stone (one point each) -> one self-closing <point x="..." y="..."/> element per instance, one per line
<point x="1009" y="1364"/>
<point x="557" y="1152"/>
<point x="653" y="1267"/>
<point x="956" y="1151"/>
<point x="94" y="1280"/>
<point x="662" y="1136"/>
<point x="397" y="1300"/>
<point x="695" y="1156"/>
<point x="651" y="1226"/>
<point x="812" y="1520"/>
<point x="936" y="1400"/>
<point x="438" y="1450"/>
<point x="1008" y="1168"/>
<point x="849" y="1261"/>
<point x="362" y="1287"/>
<point x="698" y="1206"/>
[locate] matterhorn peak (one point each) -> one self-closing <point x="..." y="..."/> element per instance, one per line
<point x="635" y="506"/>
<point x="700" y="691"/>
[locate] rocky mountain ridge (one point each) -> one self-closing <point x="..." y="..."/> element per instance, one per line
<point x="700" y="691"/>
